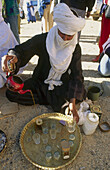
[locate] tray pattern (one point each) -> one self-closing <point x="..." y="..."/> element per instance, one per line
<point x="36" y="153"/>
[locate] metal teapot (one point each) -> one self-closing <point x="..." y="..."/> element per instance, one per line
<point x="15" y="83"/>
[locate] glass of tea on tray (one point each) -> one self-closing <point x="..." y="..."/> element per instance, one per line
<point x="48" y="156"/>
<point x="71" y="125"/>
<point x="36" y="138"/>
<point x="44" y="138"/>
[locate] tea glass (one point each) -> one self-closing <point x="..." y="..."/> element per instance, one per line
<point x="36" y="138"/>
<point x="45" y="138"/>
<point x="71" y="143"/>
<point x="53" y="133"/>
<point x="53" y="125"/>
<point x="48" y="148"/>
<point x="58" y="128"/>
<point x="71" y="125"/>
<point x="56" y="155"/>
<point x="45" y="128"/>
<point x="48" y="156"/>
<point x="72" y="137"/>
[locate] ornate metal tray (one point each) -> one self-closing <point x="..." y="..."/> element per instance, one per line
<point x="35" y="153"/>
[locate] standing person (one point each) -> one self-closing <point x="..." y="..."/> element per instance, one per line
<point x="80" y="7"/>
<point x="105" y="29"/>
<point x="12" y="11"/>
<point x="30" y="13"/>
<point x="7" y="40"/>
<point x="45" y="12"/>
<point x="57" y="77"/>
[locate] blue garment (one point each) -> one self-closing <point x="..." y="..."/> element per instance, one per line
<point x="103" y="8"/>
<point x="42" y="6"/>
<point x="29" y="16"/>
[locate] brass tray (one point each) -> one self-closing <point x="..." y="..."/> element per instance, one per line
<point x="35" y="153"/>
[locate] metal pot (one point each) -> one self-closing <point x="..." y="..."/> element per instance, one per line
<point x="15" y="83"/>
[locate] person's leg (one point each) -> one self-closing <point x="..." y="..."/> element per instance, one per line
<point x="105" y="31"/>
<point x="19" y="21"/>
<point x="13" y="21"/>
<point x="44" y="20"/>
<point x="24" y="99"/>
<point x="50" y="17"/>
<point x="27" y="98"/>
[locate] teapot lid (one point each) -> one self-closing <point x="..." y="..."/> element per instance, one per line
<point x="93" y="117"/>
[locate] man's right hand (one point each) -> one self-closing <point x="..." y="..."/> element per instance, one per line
<point x="13" y="59"/>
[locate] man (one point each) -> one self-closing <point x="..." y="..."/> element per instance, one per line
<point x="45" y="11"/>
<point x="57" y="77"/>
<point x="80" y="6"/>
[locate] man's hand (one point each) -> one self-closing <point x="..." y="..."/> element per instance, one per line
<point x="13" y="59"/>
<point x="75" y="116"/>
<point x="88" y="14"/>
<point x="72" y="108"/>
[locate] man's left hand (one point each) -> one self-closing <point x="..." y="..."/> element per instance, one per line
<point x="74" y="112"/>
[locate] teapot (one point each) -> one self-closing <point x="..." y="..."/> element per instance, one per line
<point x="15" y="84"/>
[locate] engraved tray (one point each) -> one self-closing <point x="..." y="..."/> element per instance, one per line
<point x="35" y="153"/>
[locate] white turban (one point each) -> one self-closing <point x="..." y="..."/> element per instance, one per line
<point x="66" y="21"/>
<point x="1" y="18"/>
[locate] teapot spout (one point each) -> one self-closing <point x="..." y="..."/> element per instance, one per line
<point x="23" y="91"/>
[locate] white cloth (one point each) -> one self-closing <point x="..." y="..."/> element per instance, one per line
<point x="67" y="22"/>
<point x="1" y="18"/>
<point x="32" y="11"/>
<point x="60" y="55"/>
<point x="60" y="51"/>
<point x="7" y="40"/>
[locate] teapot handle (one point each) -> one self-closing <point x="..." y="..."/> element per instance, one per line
<point x="8" y="74"/>
<point x="23" y="91"/>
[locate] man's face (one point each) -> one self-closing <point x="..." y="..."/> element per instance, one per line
<point x="65" y="37"/>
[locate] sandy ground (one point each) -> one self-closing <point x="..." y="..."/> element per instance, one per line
<point x="95" y="150"/>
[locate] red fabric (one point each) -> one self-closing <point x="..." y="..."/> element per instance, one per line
<point x="105" y="1"/>
<point x="105" y="31"/>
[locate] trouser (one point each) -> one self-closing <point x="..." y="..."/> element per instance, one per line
<point x="40" y="93"/>
<point x="47" y="19"/>
<point x="19" y="21"/>
<point x="105" y="31"/>
<point x="13" y="21"/>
